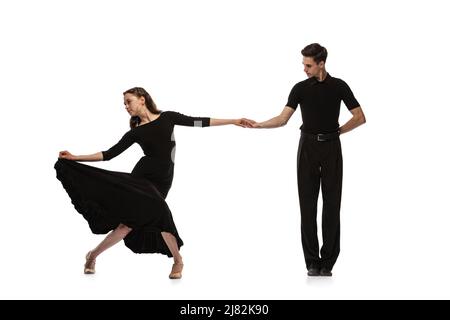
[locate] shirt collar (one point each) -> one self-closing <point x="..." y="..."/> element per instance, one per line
<point x="327" y="79"/>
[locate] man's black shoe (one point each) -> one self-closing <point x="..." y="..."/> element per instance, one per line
<point x="324" y="272"/>
<point x="313" y="272"/>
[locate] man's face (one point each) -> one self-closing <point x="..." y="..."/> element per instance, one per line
<point x="311" y="68"/>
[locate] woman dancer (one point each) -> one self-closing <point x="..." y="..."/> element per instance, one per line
<point x="132" y="205"/>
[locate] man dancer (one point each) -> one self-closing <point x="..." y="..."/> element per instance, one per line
<point x="319" y="157"/>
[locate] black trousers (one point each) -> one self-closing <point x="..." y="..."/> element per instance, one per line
<point x="319" y="163"/>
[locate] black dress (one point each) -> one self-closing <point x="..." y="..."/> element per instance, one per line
<point x="137" y="199"/>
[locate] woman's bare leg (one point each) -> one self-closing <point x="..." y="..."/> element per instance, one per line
<point x="177" y="267"/>
<point x="171" y="242"/>
<point x="111" y="239"/>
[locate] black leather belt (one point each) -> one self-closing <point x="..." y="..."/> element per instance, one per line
<point x="322" y="136"/>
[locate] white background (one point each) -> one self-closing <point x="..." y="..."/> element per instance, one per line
<point x="65" y="64"/>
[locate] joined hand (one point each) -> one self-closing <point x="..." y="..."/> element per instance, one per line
<point x="247" y="123"/>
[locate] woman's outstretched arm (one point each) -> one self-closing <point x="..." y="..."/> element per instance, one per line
<point x="245" y="123"/>
<point x="123" y="144"/>
<point x="98" y="156"/>
<point x="184" y="120"/>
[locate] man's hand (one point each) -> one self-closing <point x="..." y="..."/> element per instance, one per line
<point x="276" y="122"/>
<point x="244" y="123"/>
<point x="256" y="124"/>
<point x="357" y="120"/>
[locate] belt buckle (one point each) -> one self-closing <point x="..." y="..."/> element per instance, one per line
<point x="319" y="137"/>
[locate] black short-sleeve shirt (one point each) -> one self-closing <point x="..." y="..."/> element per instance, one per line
<point x="320" y="103"/>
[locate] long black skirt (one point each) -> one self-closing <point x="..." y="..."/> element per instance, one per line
<point x="107" y="198"/>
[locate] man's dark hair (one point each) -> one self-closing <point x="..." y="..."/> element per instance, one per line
<point x="315" y="51"/>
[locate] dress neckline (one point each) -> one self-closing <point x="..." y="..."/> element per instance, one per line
<point x="151" y="121"/>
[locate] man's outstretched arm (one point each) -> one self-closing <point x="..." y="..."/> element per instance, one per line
<point x="357" y="120"/>
<point x="277" y="121"/>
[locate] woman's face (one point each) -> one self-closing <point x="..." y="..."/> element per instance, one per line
<point x="133" y="104"/>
